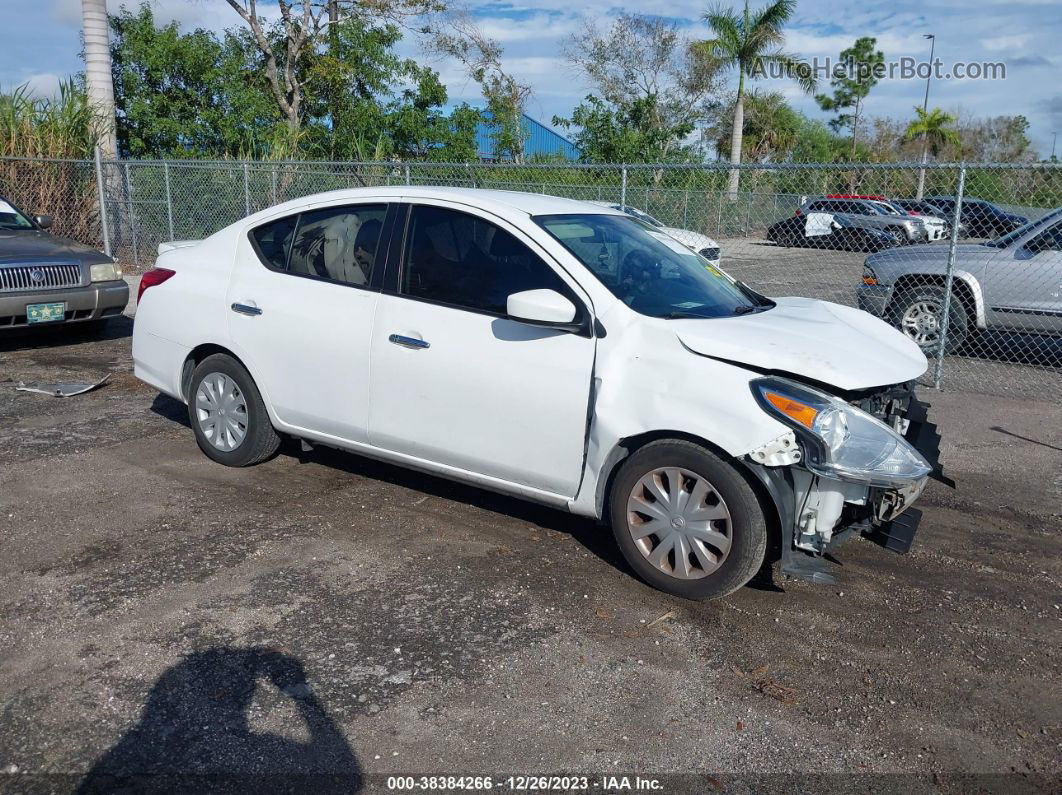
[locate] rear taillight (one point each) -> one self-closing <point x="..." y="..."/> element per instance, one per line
<point x="797" y="213"/>
<point x="151" y="278"/>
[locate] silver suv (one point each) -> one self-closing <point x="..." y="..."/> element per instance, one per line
<point x="869" y="214"/>
<point x="1012" y="283"/>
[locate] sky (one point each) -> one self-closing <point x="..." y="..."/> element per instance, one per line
<point x="39" y="44"/>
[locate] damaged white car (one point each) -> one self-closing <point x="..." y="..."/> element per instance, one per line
<point x="555" y="350"/>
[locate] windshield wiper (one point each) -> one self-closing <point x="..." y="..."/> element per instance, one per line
<point x="745" y="310"/>
<point x="684" y="316"/>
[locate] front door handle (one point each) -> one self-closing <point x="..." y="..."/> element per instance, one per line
<point x="246" y="309"/>
<point x="408" y="342"/>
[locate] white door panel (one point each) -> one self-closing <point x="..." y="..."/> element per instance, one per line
<point x="481" y="393"/>
<point x="309" y="347"/>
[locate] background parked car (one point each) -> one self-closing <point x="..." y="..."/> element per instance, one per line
<point x="1012" y="283"/>
<point x="923" y="208"/>
<point x="702" y="244"/>
<point x="47" y="280"/>
<point x="841" y="233"/>
<point x="869" y="214"/>
<point x="981" y="218"/>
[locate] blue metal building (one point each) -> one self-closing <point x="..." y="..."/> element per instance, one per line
<point x="539" y="141"/>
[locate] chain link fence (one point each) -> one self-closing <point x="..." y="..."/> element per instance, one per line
<point x="969" y="267"/>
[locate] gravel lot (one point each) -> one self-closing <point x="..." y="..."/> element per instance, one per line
<point x="323" y="613"/>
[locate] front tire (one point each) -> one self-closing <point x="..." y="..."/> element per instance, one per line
<point x="918" y="312"/>
<point x="686" y="521"/>
<point x="228" y="415"/>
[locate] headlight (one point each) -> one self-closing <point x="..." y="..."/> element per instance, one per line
<point x="870" y="279"/>
<point x="841" y="441"/>
<point x="105" y="272"/>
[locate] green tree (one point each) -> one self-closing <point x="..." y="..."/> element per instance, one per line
<point x="631" y="133"/>
<point x="186" y="94"/>
<point x="772" y="128"/>
<point x="934" y="129"/>
<point x="459" y="37"/>
<point x="860" y="70"/>
<point x="199" y="94"/>
<point x="751" y="43"/>
<point x="645" y="69"/>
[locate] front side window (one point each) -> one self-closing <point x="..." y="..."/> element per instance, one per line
<point x="650" y="271"/>
<point x="10" y="218"/>
<point x="459" y="259"/>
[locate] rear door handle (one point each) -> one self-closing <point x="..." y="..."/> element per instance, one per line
<point x="246" y="309"/>
<point x="408" y="342"/>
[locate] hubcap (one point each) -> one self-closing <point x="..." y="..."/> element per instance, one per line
<point x="921" y="322"/>
<point x="679" y="523"/>
<point x="222" y="411"/>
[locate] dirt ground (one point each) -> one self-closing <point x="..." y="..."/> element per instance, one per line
<point x="322" y="613"/>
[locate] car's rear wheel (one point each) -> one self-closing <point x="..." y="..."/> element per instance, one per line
<point x="686" y="521"/>
<point x="228" y="415"/>
<point x="919" y="313"/>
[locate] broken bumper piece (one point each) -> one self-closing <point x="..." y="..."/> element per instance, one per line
<point x="821" y="513"/>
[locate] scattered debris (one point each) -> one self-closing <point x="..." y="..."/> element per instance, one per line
<point x="740" y="726"/>
<point x="61" y="389"/>
<point x="602" y="613"/>
<point x="762" y="683"/>
<point x="665" y="617"/>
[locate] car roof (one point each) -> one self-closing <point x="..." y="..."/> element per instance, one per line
<point x="530" y="203"/>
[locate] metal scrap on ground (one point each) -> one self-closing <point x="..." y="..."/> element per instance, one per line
<point x="62" y="389"/>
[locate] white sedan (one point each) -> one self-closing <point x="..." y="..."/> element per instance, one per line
<point x="555" y="350"/>
<point x="702" y="244"/>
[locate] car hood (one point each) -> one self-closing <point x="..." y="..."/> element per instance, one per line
<point x="34" y="246"/>
<point x="818" y="340"/>
<point x="908" y="257"/>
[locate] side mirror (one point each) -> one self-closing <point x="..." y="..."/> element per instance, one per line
<point x="541" y="308"/>
<point x="43" y="221"/>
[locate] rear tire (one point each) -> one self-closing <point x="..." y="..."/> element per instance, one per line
<point x="228" y="415"/>
<point x="686" y="521"/>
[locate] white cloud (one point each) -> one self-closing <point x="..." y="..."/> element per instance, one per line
<point x="43" y="85"/>
<point x="1012" y="42"/>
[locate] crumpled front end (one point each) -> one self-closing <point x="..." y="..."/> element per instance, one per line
<point x="818" y="511"/>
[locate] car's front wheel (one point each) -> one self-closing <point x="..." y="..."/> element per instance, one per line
<point x="228" y="415"/>
<point x="919" y="313"/>
<point x="686" y="521"/>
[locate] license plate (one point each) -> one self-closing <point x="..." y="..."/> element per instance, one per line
<point x="45" y="313"/>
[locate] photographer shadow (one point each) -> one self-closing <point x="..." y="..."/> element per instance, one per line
<point x="194" y="733"/>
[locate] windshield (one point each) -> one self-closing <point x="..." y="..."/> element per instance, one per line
<point x="1012" y="237"/>
<point x="10" y="218"/>
<point x="650" y="271"/>
<point x="886" y="208"/>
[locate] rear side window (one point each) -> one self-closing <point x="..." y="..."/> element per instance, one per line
<point x="462" y="260"/>
<point x="338" y="244"/>
<point x="274" y="241"/>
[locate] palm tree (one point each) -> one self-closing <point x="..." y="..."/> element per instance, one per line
<point x="98" y="83"/>
<point x="932" y="128"/>
<point x="750" y="43"/>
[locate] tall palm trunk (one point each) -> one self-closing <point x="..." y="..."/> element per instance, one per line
<point x="736" y="135"/>
<point x="98" y="82"/>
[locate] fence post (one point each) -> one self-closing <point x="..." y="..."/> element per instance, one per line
<point x="246" y="191"/>
<point x="409" y="180"/>
<point x="103" y="205"/>
<point x="273" y="179"/>
<point x="131" y="215"/>
<point x="623" y="185"/>
<point x="949" y="279"/>
<point x="169" y="197"/>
